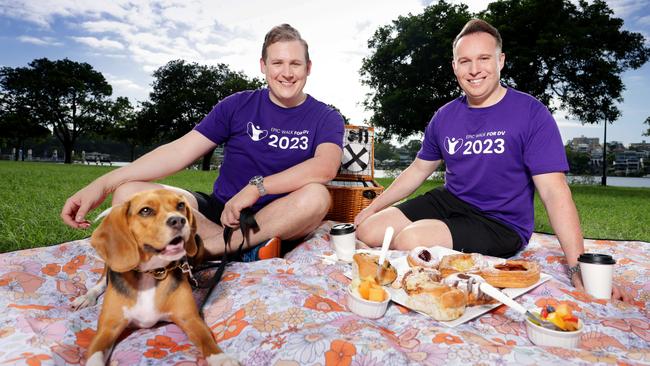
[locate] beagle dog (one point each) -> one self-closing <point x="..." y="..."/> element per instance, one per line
<point x="144" y="243"/>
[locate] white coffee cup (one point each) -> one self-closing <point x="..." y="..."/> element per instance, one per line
<point x="597" y="274"/>
<point x="343" y="237"/>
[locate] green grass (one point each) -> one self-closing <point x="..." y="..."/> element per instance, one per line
<point x="32" y="194"/>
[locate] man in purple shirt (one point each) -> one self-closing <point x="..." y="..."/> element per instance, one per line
<point x="499" y="145"/>
<point x="280" y="147"/>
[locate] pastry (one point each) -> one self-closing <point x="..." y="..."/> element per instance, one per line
<point x="418" y="278"/>
<point x="470" y="285"/>
<point x="513" y="273"/>
<point x="439" y="301"/>
<point x="422" y="257"/>
<point x="462" y="262"/>
<point x="365" y="265"/>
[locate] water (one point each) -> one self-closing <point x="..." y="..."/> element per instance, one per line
<point x="637" y="182"/>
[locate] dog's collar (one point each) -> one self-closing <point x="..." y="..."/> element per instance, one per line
<point x="162" y="272"/>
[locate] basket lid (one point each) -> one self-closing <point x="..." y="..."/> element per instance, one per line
<point x="358" y="159"/>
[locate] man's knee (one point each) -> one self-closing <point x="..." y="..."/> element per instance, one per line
<point x="313" y="197"/>
<point x="405" y="240"/>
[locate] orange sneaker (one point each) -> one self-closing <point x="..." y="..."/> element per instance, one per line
<point x="265" y="250"/>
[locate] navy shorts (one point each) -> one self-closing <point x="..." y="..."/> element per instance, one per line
<point x="471" y="230"/>
<point x="209" y="206"/>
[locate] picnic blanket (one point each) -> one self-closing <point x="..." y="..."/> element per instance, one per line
<point x="292" y="311"/>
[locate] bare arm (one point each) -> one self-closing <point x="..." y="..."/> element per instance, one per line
<point x="405" y="184"/>
<point x="322" y="168"/>
<point x="159" y="163"/>
<point x="556" y="197"/>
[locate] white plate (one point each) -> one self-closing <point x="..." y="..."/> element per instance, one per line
<point x="398" y="260"/>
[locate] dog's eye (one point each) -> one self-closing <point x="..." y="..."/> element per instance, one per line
<point x="146" y="211"/>
<point x="180" y="206"/>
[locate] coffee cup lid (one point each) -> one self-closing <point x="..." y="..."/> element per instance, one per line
<point x="342" y="229"/>
<point x="596" y="258"/>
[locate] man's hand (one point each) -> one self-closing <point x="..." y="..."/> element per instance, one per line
<point x="617" y="293"/>
<point x="232" y="209"/>
<point x="363" y="215"/>
<point x="78" y="205"/>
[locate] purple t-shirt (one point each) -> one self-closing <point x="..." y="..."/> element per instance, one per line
<point x="492" y="153"/>
<point x="262" y="138"/>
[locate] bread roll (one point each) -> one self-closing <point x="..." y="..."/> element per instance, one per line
<point x="439" y="301"/>
<point x="470" y="285"/>
<point x="516" y="273"/>
<point x="419" y="278"/>
<point x="365" y="265"/>
<point x="428" y="295"/>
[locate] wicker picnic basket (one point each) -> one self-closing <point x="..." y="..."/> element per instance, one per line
<point x="354" y="187"/>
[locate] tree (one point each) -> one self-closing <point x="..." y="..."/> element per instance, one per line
<point x="385" y="151"/>
<point x="573" y="55"/>
<point x="571" y="59"/>
<point x="410" y="68"/>
<point x="16" y="126"/>
<point x="183" y="93"/>
<point x="647" y="122"/>
<point x="66" y="97"/>
<point x="135" y="128"/>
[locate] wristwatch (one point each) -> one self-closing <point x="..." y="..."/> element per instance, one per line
<point x="258" y="181"/>
<point x="573" y="270"/>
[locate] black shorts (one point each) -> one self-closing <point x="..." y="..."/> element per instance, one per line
<point x="209" y="206"/>
<point x="471" y="230"/>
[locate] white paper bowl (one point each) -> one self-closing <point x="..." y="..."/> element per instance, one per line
<point x="366" y="308"/>
<point x="554" y="338"/>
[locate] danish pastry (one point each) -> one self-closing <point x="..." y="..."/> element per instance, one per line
<point x="365" y="265"/>
<point x="418" y="278"/>
<point x="513" y="273"/>
<point x="422" y="257"/>
<point x="462" y="262"/>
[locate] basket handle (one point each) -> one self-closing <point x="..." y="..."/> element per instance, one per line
<point x="369" y="194"/>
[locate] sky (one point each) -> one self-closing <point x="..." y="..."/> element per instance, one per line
<point x="127" y="40"/>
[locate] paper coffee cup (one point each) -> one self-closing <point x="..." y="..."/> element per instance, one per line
<point x="597" y="274"/>
<point x="344" y="240"/>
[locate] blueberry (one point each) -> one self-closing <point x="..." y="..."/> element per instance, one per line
<point x="550" y="309"/>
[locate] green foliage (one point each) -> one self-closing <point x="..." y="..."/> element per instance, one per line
<point x="385" y="151"/>
<point x="572" y="54"/>
<point x="578" y="162"/>
<point x="67" y="97"/>
<point x="32" y="195"/>
<point x="410" y="68"/>
<point x="183" y="93"/>
<point x="647" y="122"/>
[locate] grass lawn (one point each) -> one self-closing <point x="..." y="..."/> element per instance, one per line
<point x="32" y="194"/>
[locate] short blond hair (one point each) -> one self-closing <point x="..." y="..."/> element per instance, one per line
<point x="283" y="33"/>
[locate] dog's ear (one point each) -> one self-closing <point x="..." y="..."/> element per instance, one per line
<point x="191" y="247"/>
<point x="114" y="241"/>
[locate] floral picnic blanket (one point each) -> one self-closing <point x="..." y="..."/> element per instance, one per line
<point x="292" y="311"/>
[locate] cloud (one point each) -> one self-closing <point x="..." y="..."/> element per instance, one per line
<point x="103" y="43"/>
<point x="44" y="41"/>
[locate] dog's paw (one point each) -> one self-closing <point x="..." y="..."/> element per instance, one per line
<point x="222" y="359"/>
<point x="84" y="301"/>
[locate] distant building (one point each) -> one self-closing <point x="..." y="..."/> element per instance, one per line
<point x="640" y="146"/>
<point x="584" y="144"/>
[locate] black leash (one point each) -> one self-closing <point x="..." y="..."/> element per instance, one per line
<point x="247" y="223"/>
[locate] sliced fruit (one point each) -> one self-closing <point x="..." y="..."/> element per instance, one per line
<point x="376" y="294"/>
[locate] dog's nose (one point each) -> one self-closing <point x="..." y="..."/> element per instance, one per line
<point x="176" y="222"/>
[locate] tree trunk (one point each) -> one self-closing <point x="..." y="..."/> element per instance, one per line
<point x="67" y="147"/>
<point x="205" y="165"/>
